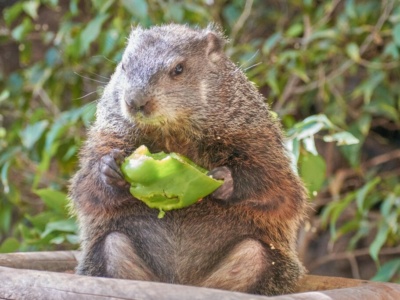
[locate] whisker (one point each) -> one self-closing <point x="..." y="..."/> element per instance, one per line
<point x="88" y="78"/>
<point x="88" y="94"/>
<point x="254" y="55"/>
<point x="98" y="75"/>
<point x="106" y="58"/>
<point x="250" y="59"/>
<point x="252" y="66"/>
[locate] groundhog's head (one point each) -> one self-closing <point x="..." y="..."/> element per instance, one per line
<point x="165" y="75"/>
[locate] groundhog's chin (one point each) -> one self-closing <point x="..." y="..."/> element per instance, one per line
<point x="140" y="118"/>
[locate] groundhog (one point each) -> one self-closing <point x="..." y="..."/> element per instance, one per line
<point x="176" y="91"/>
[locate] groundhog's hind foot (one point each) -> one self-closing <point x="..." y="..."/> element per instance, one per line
<point x="122" y="261"/>
<point x="241" y="269"/>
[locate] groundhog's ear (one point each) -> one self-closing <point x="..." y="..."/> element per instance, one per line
<point x="215" y="45"/>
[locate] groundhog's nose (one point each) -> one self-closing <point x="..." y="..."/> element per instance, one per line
<point x="135" y="99"/>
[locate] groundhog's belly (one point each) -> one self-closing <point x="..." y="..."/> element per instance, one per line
<point x="185" y="242"/>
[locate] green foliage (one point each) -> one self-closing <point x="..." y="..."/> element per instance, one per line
<point x="336" y="61"/>
<point x="312" y="166"/>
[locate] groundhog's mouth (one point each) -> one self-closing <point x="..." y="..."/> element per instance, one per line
<point x="142" y="118"/>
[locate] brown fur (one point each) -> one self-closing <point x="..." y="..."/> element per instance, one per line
<point x="242" y="240"/>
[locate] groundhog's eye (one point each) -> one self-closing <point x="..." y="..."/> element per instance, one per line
<point x="178" y="70"/>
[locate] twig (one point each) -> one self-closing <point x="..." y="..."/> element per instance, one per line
<point x="345" y="255"/>
<point x="242" y="19"/>
<point x="380" y="159"/>
<point x="46" y="100"/>
<point x="326" y="17"/>
<point x="354" y="267"/>
<point x="294" y="79"/>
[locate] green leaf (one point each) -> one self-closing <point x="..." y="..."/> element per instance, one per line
<point x="52" y="57"/>
<point x="369" y="85"/>
<point x="353" y="52"/>
<point x="40" y="220"/>
<point x="364" y="124"/>
<point x="333" y="211"/>
<point x="6" y="212"/>
<point x="54" y="199"/>
<point x="387" y="205"/>
<point x="308" y="3"/>
<point x="109" y="41"/>
<point x="379" y="108"/>
<point x="106" y="5"/>
<point x="352" y="152"/>
<point x="271" y="42"/>
<point x="392" y="50"/>
<point x="72" y="238"/>
<point x="88" y="113"/>
<point x="350" y="9"/>
<point x="349" y="226"/>
<point x="363" y="231"/>
<point x="387" y="271"/>
<point x="295" y="30"/>
<point x="20" y="32"/>
<point x="4" y="176"/>
<point x="379" y="240"/>
<point x="175" y="12"/>
<point x="73" y="7"/>
<point x="293" y="146"/>
<point x="341" y="138"/>
<point x="312" y="171"/>
<point x="32" y="133"/>
<point x="137" y="8"/>
<point x="324" y="34"/>
<point x="57" y="240"/>
<point x="31" y="8"/>
<point x="9" y="245"/>
<point x="310" y="126"/>
<point x="4" y="95"/>
<point x="3" y="133"/>
<point x="13" y="12"/>
<point x="69" y="226"/>
<point x="309" y="145"/>
<point x="363" y="192"/>
<point x="301" y="73"/>
<point x="396" y="34"/>
<point x="231" y="13"/>
<point x="272" y="81"/>
<point x="38" y="75"/>
<point x="91" y="32"/>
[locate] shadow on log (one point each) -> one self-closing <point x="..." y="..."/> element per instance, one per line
<point x="44" y="275"/>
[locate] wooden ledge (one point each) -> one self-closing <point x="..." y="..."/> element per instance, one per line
<point x="27" y="276"/>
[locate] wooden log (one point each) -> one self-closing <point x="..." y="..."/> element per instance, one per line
<point x="31" y="284"/>
<point x="55" y="261"/>
<point x="37" y="284"/>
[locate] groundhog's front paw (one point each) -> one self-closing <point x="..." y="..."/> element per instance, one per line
<point x="225" y="191"/>
<point x="110" y="171"/>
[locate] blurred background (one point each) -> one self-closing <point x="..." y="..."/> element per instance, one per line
<point x="329" y="69"/>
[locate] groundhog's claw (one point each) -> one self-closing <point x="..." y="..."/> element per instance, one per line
<point x="110" y="171"/>
<point x="225" y="191"/>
